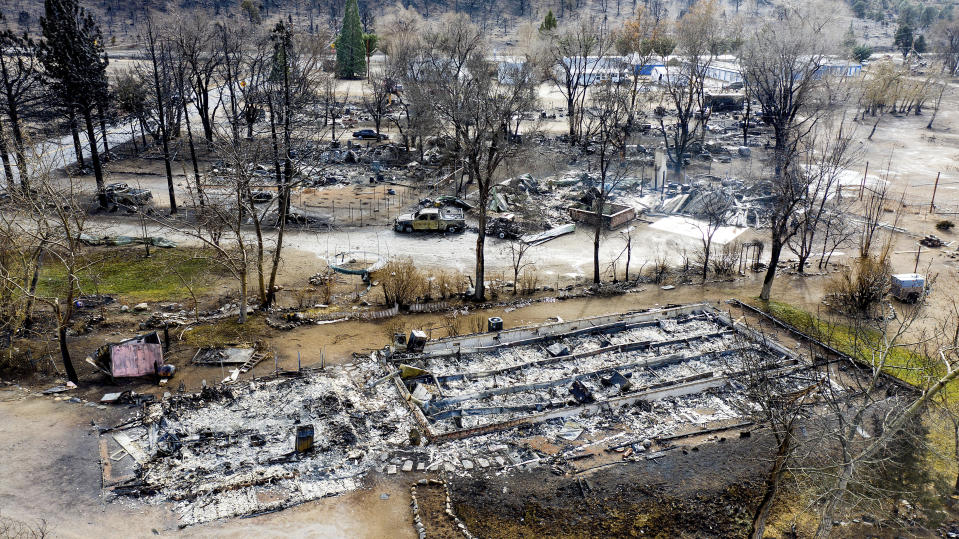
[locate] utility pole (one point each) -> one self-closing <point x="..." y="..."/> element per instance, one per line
<point x="862" y="186"/>
<point x="932" y="203"/>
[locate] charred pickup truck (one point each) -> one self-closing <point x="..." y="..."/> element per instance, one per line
<point x="445" y="219"/>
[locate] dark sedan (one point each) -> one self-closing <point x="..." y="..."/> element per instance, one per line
<point x="369" y="134"/>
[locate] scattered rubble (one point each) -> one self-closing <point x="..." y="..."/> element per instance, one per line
<point x="463" y="406"/>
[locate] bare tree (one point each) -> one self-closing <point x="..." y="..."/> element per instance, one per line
<point x="947" y="344"/>
<point x="823" y="165"/>
<point x="886" y="344"/>
<point x="517" y="250"/>
<point x="782" y="61"/>
<point x="873" y="207"/>
<point x="195" y="42"/>
<point x="163" y="74"/>
<point x="401" y="37"/>
<point x="376" y="99"/>
<point x="219" y="225"/>
<point x="716" y="205"/>
<point x="45" y="226"/>
<point x="946" y="39"/>
<point x="296" y="60"/>
<point x="607" y="121"/>
<point x="20" y="92"/>
<point x="939" y="89"/>
<point x="578" y="52"/>
<point x="697" y="36"/>
<point x="474" y="108"/>
<point x="777" y="401"/>
<point x="642" y="38"/>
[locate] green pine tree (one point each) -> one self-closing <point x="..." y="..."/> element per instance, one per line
<point x="75" y="66"/>
<point x="350" y="50"/>
<point x="549" y="23"/>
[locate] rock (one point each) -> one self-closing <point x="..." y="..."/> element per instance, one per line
<point x="124" y="308"/>
<point x="140" y="307"/>
<point x="501" y="461"/>
<point x="483" y="463"/>
<point x="420" y="467"/>
<point x="391" y="469"/>
<point x="408" y="466"/>
<point x="467" y="464"/>
<point x="744" y="151"/>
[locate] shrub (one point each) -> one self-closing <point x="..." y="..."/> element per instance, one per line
<point x="528" y="280"/>
<point x="448" y="283"/>
<point x="476" y="323"/>
<point x="859" y="288"/>
<point x="395" y="325"/>
<point x="659" y="269"/>
<point x="725" y="259"/>
<point x="402" y="282"/>
<point x="945" y="225"/>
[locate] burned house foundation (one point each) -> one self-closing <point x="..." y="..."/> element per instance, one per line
<point x="486" y="403"/>
<point x="496" y="381"/>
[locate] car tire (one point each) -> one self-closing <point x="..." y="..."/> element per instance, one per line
<point x="407" y="229"/>
<point x="398" y="228"/>
<point x="452" y="229"/>
<point x="501" y="235"/>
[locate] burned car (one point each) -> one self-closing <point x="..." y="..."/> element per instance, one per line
<point x="120" y="195"/>
<point x="504" y="227"/>
<point x="445" y="219"/>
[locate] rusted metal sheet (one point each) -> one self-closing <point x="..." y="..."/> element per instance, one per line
<point x="139" y="356"/>
<point x="135" y="359"/>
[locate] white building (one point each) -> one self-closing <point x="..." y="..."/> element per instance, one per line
<point x="593" y="69"/>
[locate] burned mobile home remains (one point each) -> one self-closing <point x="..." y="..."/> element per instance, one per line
<point x="493" y="381"/>
<point x="458" y="406"/>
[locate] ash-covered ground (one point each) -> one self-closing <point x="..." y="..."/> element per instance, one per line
<point x="231" y="450"/>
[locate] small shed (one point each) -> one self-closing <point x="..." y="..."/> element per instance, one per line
<point x="140" y="356"/>
<point x="908" y="287"/>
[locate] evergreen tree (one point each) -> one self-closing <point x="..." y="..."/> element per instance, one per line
<point x="549" y="23"/>
<point x="861" y="53"/>
<point x="919" y="45"/>
<point x="903" y="40"/>
<point x="350" y="50"/>
<point x="75" y="65"/>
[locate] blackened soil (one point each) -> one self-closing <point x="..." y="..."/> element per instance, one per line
<point x="707" y="492"/>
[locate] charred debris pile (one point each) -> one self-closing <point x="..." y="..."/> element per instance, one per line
<point x="561" y="396"/>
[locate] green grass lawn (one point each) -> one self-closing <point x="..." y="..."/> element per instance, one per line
<point x="132" y="277"/>
<point x="902" y="361"/>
